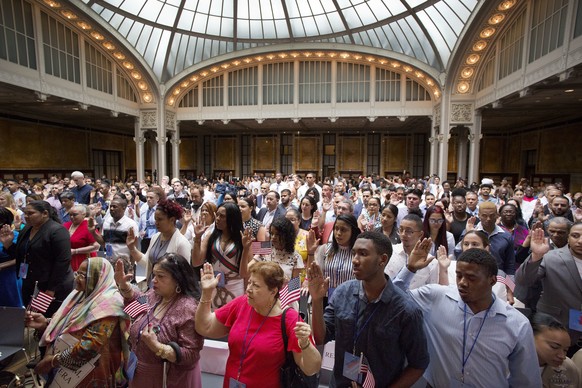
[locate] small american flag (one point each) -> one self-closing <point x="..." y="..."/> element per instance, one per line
<point x="41" y="302"/>
<point x="291" y="292"/>
<point x="369" y="381"/>
<point x="261" y="248"/>
<point x="507" y="281"/>
<point x="137" y="307"/>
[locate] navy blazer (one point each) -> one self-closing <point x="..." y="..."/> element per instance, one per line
<point x="279" y="212"/>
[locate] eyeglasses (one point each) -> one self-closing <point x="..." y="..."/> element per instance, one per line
<point x="80" y="274"/>
<point x="407" y="232"/>
<point x="435" y="221"/>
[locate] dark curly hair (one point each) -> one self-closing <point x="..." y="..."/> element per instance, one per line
<point x="182" y="272"/>
<point x="171" y="209"/>
<point x="315" y="194"/>
<point x="286" y="231"/>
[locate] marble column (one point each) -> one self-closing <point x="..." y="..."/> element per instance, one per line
<point x="140" y="140"/>
<point x="462" y="152"/>
<point x="475" y="137"/>
<point x="175" y="141"/>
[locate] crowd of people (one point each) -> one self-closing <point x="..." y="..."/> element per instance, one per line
<point x="464" y="285"/>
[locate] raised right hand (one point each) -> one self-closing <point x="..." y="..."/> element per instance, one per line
<point x="6" y="235"/>
<point x="208" y="281"/>
<point x="131" y="239"/>
<point x="540" y="245"/>
<point x="318" y="286"/>
<point x="121" y="278"/>
<point x="418" y="258"/>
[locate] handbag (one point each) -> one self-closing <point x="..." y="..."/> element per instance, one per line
<point x="291" y="375"/>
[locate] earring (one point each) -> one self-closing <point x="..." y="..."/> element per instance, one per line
<point x="178" y="289"/>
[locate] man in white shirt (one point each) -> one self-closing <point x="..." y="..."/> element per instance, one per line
<point x="309" y="182"/>
<point x="278" y="185"/>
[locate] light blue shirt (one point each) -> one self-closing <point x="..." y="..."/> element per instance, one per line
<point x="504" y="355"/>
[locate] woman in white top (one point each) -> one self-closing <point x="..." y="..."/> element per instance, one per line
<point x="168" y="239"/>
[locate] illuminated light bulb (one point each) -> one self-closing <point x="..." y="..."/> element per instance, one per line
<point x="467" y="72"/>
<point x="480" y="45"/>
<point x="225" y="65"/>
<point x="214" y="69"/>
<point x="185" y="84"/>
<point x="119" y="55"/>
<point x="236" y="63"/>
<point x="193" y="78"/>
<point x="247" y="60"/>
<point x="282" y="55"/>
<point x="97" y="35"/>
<point x="472" y="59"/>
<point x="176" y="91"/>
<point x="52" y="3"/>
<point x="436" y="93"/>
<point x="357" y="57"/>
<point x="84" y="26"/>
<point x="319" y="54"/>
<point x="332" y="55"/>
<point x="270" y="57"/>
<point x="147" y="97"/>
<point x="204" y="74"/>
<point x="496" y="19"/>
<point x="463" y="87"/>
<point x="136" y="75"/>
<point x="429" y="82"/>
<point x="259" y="58"/>
<point x="370" y="59"/>
<point x="344" y="55"/>
<point x="505" y="5"/>
<point x="383" y="61"/>
<point x="171" y="101"/>
<point x="407" y="69"/>
<point x="109" y="45"/>
<point x="487" y="32"/>
<point x="294" y="55"/>
<point x="395" y="65"/>
<point x="307" y="54"/>
<point x="419" y="74"/>
<point x="68" y="14"/>
<point x="142" y="85"/>
<point x="128" y="65"/>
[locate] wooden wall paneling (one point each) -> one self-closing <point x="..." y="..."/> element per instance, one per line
<point x="492" y="154"/>
<point x="395" y="152"/>
<point x="351" y="153"/>
<point x="224" y="151"/>
<point x="307" y="153"/>
<point x="264" y="153"/>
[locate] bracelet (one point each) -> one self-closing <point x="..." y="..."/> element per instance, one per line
<point x="205" y="301"/>
<point x="53" y="360"/>
<point x="306" y="346"/>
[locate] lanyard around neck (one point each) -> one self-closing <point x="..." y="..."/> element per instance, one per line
<point x="245" y="346"/>
<point x="359" y="331"/>
<point x="463" y="358"/>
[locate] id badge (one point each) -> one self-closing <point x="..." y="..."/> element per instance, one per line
<point x="457" y="383"/>
<point x="232" y="383"/>
<point x="109" y="250"/>
<point x="351" y="366"/>
<point x="221" y="280"/>
<point x="575" y="320"/>
<point x="23" y="270"/>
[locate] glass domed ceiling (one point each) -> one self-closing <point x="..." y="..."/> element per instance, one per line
<point x="173" y="35"/>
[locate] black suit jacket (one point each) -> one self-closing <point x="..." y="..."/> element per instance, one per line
<point x="48" y="256"/>
<point x="279" y="212"/>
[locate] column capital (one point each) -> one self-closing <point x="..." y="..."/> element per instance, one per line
<point x="473" y="138"/>
<point x="140" y="139"/>
<point x="175" y="142"/>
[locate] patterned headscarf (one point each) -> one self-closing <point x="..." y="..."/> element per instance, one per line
<point x="99" y="300"/>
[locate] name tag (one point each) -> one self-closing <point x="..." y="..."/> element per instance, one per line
<point x="352" y="365"/>
<point x="23" y="270"/>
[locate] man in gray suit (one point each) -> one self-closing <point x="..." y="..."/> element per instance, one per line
<point x="560" y="271"/>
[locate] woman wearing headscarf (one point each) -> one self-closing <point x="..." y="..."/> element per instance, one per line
<point x="89" y="323"/>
